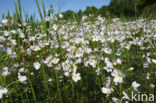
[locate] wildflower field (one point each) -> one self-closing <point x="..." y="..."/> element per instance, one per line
<point x="95" y="60"/>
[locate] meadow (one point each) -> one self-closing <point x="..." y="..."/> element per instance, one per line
<point x="95" y="60"/>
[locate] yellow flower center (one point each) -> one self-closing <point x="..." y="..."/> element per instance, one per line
<point x="119" y="75"/>
<point x="106" y="49"/>
<point x="8" y="54"/>
<point x="108" y="91"/>
<point x="5" y="74"/>
<point x="75" y="76"/>
<point x="95" y="37"/>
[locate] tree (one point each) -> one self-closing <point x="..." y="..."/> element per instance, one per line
<point x="103" y="10"/>
<point x="91" y="10"/>
<point x="68" y="14"/>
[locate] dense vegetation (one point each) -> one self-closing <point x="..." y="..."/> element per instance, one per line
<point x="118" y="8"/>
<point x="88" y="59"/>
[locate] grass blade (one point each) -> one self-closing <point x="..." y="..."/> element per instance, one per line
<point x="39" y="10"/>
<point x="20" y="11"/>
<point x="17" y="13"/>
<point x="43" y="7"/>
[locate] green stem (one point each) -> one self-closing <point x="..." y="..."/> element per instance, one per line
<point x="45" y="79"/>
<point x="32" y="89"/>
<point x="58" y="88"/>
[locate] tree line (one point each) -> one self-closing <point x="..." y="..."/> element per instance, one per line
<point x="116" y="8"/>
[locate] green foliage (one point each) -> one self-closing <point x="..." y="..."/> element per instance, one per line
<point x="91" y="10"/>
<point x="118" y="8"/>
<point x="68" y="14"/>
<point x="49" y="84"/>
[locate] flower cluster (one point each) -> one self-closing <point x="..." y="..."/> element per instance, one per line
<point x="114" y="56"/>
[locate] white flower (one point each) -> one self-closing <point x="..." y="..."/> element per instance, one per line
<point x="48" y="61"/>
<point x="88" y="50"/>
<point x="49" y="79"/>
<point x="112" y="39"/>
<point x="66" y="74"/>
<point x="4" y="21"/>
<point x="152" y="85"/>
<point x="2" y="91"/>
<point x="9" y="51"/>
<point x="37" y="65"/>
<point x="79" y="54"/>
<point x="24" y="24"/>
<point x="128" y="46"/>
<point x="154" y="61"/>
<point x="5" y="72"/>
<point x="148" y="59"/>
<point x="118" y="61"/>
<point x="107" y="90"/>
<point x="76" y="77"/>
<point x="146" y="64"/>
<point x="13" y="31"/>
<point x="95" y="38"/>
<point x="116" y="100"/>
<point x="107" y="50"/>
<point x="84" y="17"/>
<point x="92" y="62"/>
<point x="148" y="75"/>
<point x="55" y="27"/>
<point x="60" y="15"/>
<point x="21" y="35"/>
<point x="77" y="61"/>
<point x="109" y="64"/>
<point x="47" y="18"/>
<point x="2" y="38"/>
<point x="135" y="85"/>
<point x="6" y="33"/>
<point x="36" y="48"/>
<point x="22" y="78"/>
<point x="21" y="70"/>
<point x="118" y="76"/>
<point x="131" y="68"/>
<point x="55" y="60"/>
<point x="108" y="81"/>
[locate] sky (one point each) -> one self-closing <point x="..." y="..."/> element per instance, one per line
<point x="29" y="6"/>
